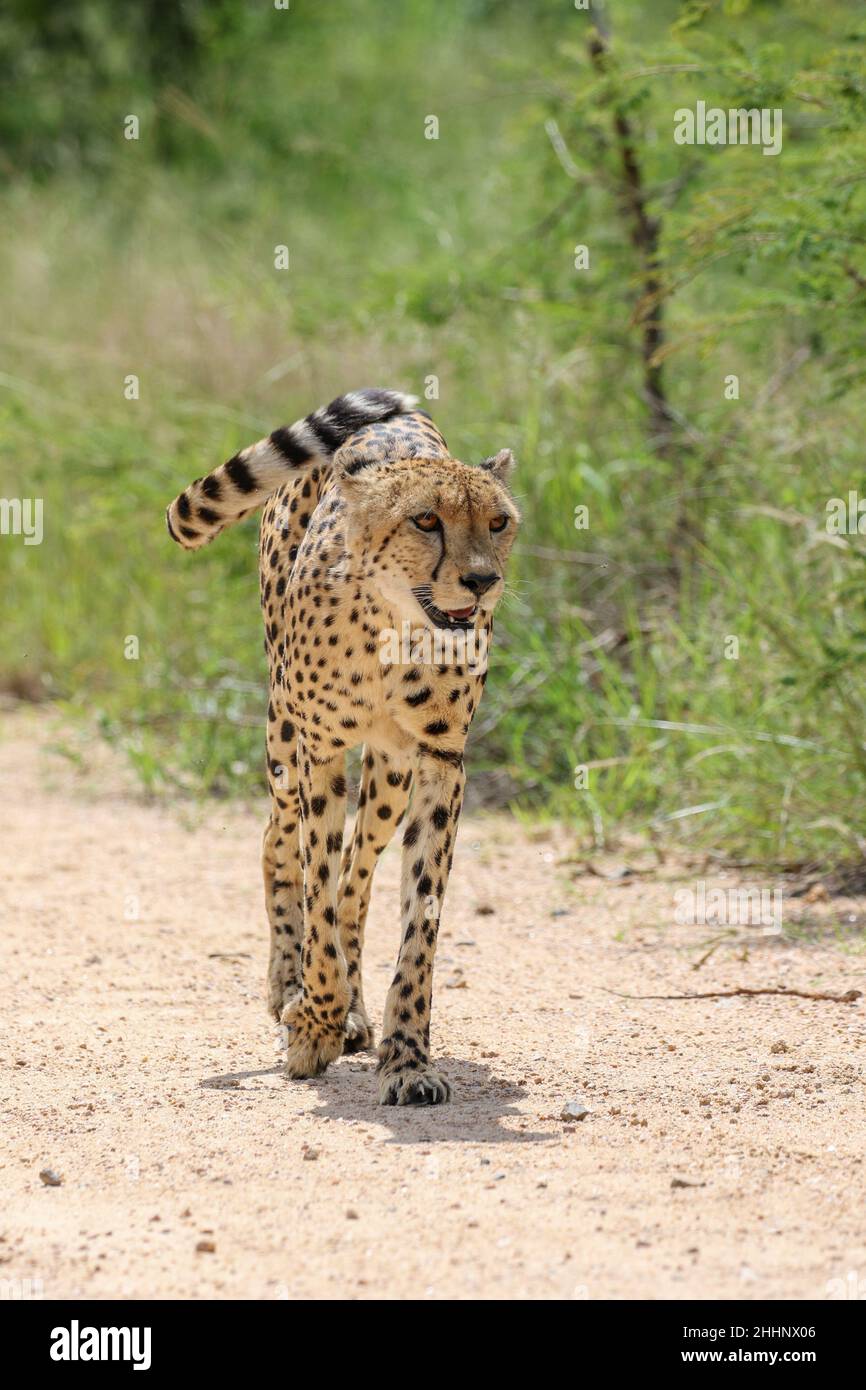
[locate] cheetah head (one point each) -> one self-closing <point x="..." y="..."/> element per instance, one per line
<point x="435" y="533"/>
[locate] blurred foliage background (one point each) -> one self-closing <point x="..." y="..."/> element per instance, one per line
<point x="455" y="258"/>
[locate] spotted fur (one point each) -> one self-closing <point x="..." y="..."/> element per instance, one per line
<point x="350" y="561"/>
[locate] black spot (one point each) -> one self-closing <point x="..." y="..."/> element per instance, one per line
<point x="419" y="698"/>
<point x="442" y="755"/>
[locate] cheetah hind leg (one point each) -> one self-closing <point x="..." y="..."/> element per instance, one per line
<point x="358" y="1030"/>
<point x="283" y="899"/>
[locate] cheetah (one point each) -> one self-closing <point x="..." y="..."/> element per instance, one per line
<point x="371" y="531"/>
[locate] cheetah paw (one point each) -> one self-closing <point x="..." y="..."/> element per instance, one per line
<point x="408" y="1087"/>
<point x="309" y="1048"/>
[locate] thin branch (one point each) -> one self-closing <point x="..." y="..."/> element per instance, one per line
<point x="848" y="997"/>
<point x="645" y="231"/>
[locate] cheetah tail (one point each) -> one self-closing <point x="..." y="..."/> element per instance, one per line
<point x="242" y="485"/>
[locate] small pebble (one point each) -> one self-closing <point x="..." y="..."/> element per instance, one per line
<point x="50" y="1178"/>
<point x="574" y="1110"/>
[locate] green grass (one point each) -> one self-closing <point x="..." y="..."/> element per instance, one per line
<point x="411" y="258"/>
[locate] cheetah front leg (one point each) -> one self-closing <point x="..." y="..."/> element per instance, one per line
<point x="316" y="1017"/>
<point x="382" y="801"/>
<point x="405" y="1074"/>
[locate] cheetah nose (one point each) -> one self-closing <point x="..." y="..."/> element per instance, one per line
<point x="478" y="583"/>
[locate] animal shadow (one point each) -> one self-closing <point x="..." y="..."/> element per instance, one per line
<point x="479" y="1103"/>
<point x="348" y="1091"/>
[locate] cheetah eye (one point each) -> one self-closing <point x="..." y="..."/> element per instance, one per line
<point x="499" y="523"/>
<point x="427" y="521"/>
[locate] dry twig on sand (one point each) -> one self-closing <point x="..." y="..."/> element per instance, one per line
<point x="847" y="998"/>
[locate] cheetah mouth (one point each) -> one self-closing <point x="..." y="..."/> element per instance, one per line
<point x="460" y="618"/>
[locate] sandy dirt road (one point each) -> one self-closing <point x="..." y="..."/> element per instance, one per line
<point x="139" y="1066"/>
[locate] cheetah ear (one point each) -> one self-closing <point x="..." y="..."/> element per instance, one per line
<point x="500" y="465"/>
